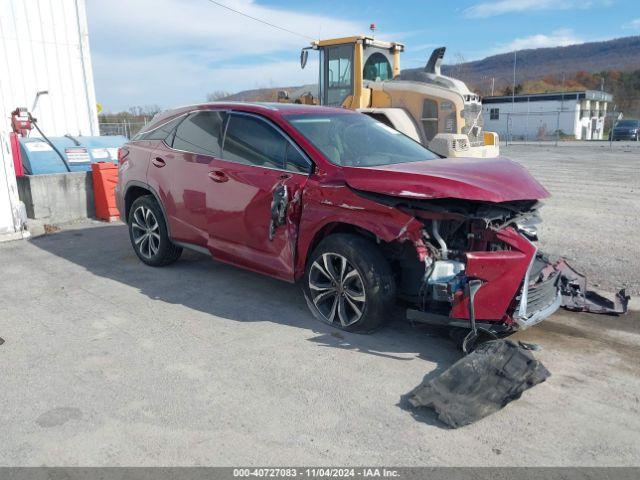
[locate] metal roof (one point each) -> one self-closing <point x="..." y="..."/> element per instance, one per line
<point x="550" y="96"/>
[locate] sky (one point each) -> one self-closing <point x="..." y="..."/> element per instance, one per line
<point x="174" y="52"/>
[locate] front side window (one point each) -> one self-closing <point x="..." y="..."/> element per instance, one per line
<point x="377" y="67"/>
<point x="200" y="133"/>
<point x="356" y="140"/>
<point x="252" y="141"/>
<point x="339" y="78"/>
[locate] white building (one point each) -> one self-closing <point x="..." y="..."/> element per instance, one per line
<point x="44" y="47"/>
<point x="579" y="115"/>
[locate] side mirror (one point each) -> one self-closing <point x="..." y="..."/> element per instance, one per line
<point x="304" y="56"/>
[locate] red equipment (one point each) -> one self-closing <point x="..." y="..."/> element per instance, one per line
<point x="15" y="153"/>
<point x="21" y="122"/>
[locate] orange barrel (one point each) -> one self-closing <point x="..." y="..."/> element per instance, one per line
<point x="105" y="178"/>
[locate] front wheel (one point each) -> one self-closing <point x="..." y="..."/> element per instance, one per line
<point x="349" y="284"/>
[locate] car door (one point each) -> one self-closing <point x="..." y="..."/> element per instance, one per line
<point x="180" y="169"/>
<point x="257" y="185"/>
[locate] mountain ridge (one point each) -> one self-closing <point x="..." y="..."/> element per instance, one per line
<point x="622" y="54"/>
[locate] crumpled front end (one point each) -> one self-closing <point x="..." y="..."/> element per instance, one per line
<point x="476" y="264"/>
<point x="504" y="286"/>
<point x="517" y="287"/>
<point x="482" y="269"/>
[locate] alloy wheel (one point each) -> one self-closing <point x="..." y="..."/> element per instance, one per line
<point x="337" y="289"/>
<point x="146" y="231"/>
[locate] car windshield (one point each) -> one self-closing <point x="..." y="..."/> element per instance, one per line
<point x="355" y="140"/>
<point x="627" y="123"/>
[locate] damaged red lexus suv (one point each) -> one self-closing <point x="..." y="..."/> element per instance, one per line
<point x="365" y="218"/>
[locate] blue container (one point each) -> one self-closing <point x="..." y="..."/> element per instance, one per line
<point x="80" y="152"/>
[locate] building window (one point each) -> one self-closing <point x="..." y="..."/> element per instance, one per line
<point x="494" y="114"/>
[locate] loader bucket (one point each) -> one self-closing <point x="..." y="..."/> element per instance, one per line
<point x="480" y="383"/>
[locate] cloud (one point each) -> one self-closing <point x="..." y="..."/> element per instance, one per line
<point x="168" y="51"/>
<point x="184" y="82"/>
<point x="501" y="7"/>
<point x="633" y="24"/>
<point x="558" y="38"/>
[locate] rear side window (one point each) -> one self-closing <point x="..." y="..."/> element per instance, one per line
<point x="162" y="132"/>
<point x="252" y="141"/>
<point x="200" y="133"/>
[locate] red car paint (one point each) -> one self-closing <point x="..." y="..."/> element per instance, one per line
<point x="225" y="207"/>
<point x="502" y="273"/>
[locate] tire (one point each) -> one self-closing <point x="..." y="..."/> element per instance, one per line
<point x="149" y="235"/>
<point x="355" y="302"/>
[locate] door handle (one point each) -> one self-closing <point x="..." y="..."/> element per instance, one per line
<point x="285" y="176"/>
<point x="218" y="176"/>
<point x="158" y="162"/>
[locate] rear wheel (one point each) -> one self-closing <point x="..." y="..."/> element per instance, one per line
<point x="149" y="235"/>
<point x="349" y="284"/>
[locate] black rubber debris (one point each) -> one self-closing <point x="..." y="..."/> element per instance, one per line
<point x="481" y="383"/>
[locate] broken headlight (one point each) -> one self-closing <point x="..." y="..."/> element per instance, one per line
<point x="529" y="227"/>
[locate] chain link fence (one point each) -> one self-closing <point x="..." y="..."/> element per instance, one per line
<point x="551" y="126"/>
<point x="125" y="128"/>
<point x="523" y="127"/>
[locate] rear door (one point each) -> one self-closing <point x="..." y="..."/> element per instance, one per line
<point x="142" y="147"/>
<point x="257" y="185"/>
<point x="179" y="168"/>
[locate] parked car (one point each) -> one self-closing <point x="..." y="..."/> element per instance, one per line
<point x="366" y="219"/>
<point x="628" y="129"/>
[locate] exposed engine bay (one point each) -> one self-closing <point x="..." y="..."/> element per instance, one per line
<point x="480" y="268"/>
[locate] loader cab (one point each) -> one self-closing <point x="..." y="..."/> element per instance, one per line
<point x="347" y="63"/>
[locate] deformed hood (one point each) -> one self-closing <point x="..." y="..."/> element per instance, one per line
<point x="484" y="179"/>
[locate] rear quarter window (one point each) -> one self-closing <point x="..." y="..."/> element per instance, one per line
<point x="162" y="132"/>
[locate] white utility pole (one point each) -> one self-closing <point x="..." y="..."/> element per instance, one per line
<point x="513" y="90"/>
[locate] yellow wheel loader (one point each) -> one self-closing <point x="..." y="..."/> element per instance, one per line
<point x="363" y="73"/>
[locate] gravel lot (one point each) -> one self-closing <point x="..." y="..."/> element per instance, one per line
<point x="593" y="215"/>
<point x="109" y="362"/>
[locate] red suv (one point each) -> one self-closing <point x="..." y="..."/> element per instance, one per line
<point x="364" y="217"/>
